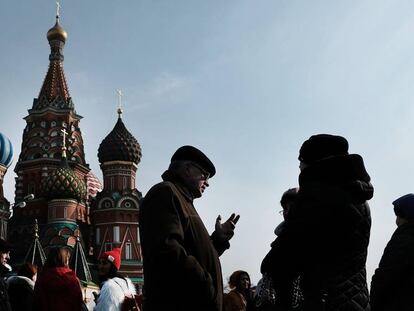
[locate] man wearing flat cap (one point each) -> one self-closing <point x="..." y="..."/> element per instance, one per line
<point x="182" y="269"/>
<point x="5" y="249"/>
<point x="392" y="285"/>
<point x="325" y="237"/>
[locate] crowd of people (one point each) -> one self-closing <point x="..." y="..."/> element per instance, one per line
<point x="58" y="288"/>
<point x="316" y="262"/>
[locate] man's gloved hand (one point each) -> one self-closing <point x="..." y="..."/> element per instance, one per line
<point x="225" y="231"/>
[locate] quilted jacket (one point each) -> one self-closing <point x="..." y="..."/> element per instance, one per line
<point x="325" y="238"/>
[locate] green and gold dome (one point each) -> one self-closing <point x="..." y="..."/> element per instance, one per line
<point x="64" y="184"/>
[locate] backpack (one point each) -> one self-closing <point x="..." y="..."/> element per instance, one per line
<point x="131" y="302"/>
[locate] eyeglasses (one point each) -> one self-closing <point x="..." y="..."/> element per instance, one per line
<point x="204" y="175"/>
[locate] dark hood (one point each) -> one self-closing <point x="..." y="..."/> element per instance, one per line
<point x="346" y="172"/>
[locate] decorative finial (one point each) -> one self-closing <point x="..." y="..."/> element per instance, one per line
<point x="36" y="229"/>
<point x="64" y="143"/>
<point x="57" y="10"/>
<point x="120" y="111"/>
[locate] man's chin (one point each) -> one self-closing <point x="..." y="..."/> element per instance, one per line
<point x="197" y="194"/>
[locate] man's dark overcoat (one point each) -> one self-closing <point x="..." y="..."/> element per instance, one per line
<point x="392" y="285"/>
<point x="182" y="270"/>
<point x="325" y="238"/>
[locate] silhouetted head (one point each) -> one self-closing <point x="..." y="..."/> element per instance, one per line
<point x="194" y="169"/>
<point x="288" y="200"/>
<point x="322" y="146"/>
<point x="404" y="208"/>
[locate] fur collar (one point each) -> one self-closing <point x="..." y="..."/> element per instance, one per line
<point x="113" y="293"/>
<point x="18" y="279"/>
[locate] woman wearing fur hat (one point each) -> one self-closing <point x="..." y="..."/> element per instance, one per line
<point x="57" y="287"/>
<point x="20" y="287"/>
<point x="326" y="236"/>
<point x="240" y="297"/>
<point x="114" y="287"/>
<point x="393" y="282"/>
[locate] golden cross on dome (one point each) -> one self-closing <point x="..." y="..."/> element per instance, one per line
<point x="64" y="142"/>
<point x="58" y="9"/>
<point x="120" y="111"/>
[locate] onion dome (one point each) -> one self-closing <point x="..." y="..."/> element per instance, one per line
<point x="119" y="145"/>
<point x="57" y="32"/>
<point x="6" y="151"/>
<point x="93" y="185"/>
<point x="64" y="184"/>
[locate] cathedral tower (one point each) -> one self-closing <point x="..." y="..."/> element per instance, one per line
<point x="115" y="210"/>
<point x="52" y="113"/>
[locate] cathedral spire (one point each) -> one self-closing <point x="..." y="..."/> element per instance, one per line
<point x="55" y="91"/>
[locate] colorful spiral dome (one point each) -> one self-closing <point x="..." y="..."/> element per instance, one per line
<point x="93" y="185"/>
<point x="6" y="151"/>
<point x="119" y="145"/>
<point x="64" y="184"/>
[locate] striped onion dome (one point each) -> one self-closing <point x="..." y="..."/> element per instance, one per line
<point x="93" y="185"/>
<point x="6" y="151"/>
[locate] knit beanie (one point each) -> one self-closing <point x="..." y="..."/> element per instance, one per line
<point x="113" y="256"/>
<point x="404" y="206"/>
<point x="321" y="146"/>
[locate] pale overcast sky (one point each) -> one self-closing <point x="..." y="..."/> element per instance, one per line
<point x="245" y="81"/>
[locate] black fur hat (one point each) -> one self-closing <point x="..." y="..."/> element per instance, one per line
<point x="321" y="146"/>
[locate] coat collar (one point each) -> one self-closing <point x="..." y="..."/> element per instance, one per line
<point x="178" y="183"/>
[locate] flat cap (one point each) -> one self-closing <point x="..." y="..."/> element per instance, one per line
<point x="321" y="146"/>
<point x="190" y="153"/>
<point x="404" y="206"/>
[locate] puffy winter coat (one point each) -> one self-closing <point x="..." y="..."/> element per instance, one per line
<point x="392" y="285"/>
<point x="325" y="238"/>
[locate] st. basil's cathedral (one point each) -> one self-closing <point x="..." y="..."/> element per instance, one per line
<point x="67" y="203"/>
